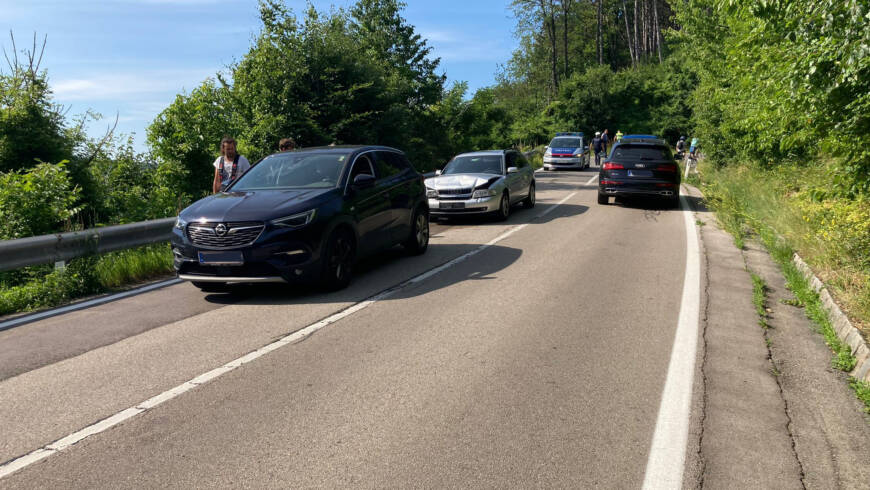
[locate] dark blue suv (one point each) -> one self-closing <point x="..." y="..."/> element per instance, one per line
<point x="303" y="215"/>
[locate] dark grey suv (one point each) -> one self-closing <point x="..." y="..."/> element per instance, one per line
<point x="303" y="215"/>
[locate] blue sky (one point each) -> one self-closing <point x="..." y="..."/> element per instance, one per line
<point x="131" y="57"/>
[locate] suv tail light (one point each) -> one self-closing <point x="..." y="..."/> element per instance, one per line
<point x="613" y="166"/>
<point x="667" y="168"/>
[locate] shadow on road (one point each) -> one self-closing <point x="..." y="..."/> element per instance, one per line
<point x="372" y="275"/>
<point x="519" y="216"/>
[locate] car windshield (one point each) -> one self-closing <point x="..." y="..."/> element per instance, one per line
<point x="294" y="170"/>
<point x="566" y="143"/>
<point x="641" y="152"/>
<point x="474" y="164"/>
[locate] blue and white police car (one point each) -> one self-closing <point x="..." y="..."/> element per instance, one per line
<point x="566" y="151"/>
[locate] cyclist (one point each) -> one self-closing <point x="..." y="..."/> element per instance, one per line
<point x="693" y="148"/>
<point x="681" y="146"/>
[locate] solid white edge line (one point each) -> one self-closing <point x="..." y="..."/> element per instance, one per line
<point x="15" y="322"/>
<point x="14" y="465"/>
<point x="666" y="462"/>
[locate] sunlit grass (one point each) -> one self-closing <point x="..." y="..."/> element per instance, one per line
<point x="47" y="288"/>
<point x="830" y="233"/>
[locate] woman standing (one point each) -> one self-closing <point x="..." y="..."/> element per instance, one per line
<point x="229" y="166"/>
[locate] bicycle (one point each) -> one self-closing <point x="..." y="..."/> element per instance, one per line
<point x="691" y="162"/>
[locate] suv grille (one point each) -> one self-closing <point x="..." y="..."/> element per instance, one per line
<point x="236" y="235"/>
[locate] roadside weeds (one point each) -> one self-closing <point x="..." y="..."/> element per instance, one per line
<point x="45" y="287"/>
<point x="741" y="228"/>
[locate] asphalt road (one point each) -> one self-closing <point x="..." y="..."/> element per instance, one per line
<point x="537" y="361"/>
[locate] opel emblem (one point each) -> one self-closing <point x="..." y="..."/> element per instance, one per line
<point x="220" y="229"/>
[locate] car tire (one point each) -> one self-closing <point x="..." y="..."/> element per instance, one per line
<point x="674" y="202"/>
<point x="211" y="287"/>
<point x="504" y="207"/>
<point x="603" y="198"/>
<point x="418" y="241"/>
<point x="529" y="201"/>
<point x="338" y="260"/>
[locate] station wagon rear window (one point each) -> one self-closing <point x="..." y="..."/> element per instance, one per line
<point x="640" y="152"/>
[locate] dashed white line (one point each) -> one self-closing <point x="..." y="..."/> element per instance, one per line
<point x="594" y="177"/>
<point x="667" y="457"/>
<point x="67" y="441"/>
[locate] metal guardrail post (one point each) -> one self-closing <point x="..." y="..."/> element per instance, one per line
<point x="48" y="249"/>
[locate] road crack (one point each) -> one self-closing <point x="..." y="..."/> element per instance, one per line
<point x="702" y="463"/>
<point x="777" y="375"/>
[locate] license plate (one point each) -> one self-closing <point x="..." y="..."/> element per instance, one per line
<point x="640" y="173"/>
<point x="221" y="258"/>
<point x="452" y="205"/>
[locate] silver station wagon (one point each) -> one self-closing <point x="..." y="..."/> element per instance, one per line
<point x="482" y="182"/>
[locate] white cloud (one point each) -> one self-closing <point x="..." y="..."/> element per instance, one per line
<point x="114" y="86"/>
<point x="462" y="46"/>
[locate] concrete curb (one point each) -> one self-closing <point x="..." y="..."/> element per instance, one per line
<point x="844" y="328"/>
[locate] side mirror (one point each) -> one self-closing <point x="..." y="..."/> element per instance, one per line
<point x="437" y="173"/>
<point x="512" y="170"/>
<point x="363" y="181"/>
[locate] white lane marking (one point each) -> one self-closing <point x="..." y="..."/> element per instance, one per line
<point x="667" y="457"/>
<point x="84" y="304"/>
<point x="92" y="429"/>
<point x="14" y="465"/>
<point x="591" y="180"/>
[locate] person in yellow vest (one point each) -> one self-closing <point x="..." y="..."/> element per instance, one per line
<point x="618" y="135"/>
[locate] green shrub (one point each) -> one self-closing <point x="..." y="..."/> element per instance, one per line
<point x="36" y="202"/>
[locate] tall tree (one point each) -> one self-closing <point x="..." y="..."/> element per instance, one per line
<point x="548" y="10"/>
<point x="566" y="11"/>
<point x="600" y="39"/>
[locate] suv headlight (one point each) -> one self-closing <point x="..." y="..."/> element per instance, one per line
<point x="296" y="220"/>
<point x="180" y="223"/>
<point x="483" y="193"/>
<point x="578" y="151"/>
<point x="431" y="193"/>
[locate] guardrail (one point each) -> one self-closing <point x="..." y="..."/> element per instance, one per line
<point x="49" y="249"/>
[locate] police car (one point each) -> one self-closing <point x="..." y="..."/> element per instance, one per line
<point x="566" y="151"/>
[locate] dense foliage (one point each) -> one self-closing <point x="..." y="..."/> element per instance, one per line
<point x="356" y="76"/>
<point x="782" y="82"/>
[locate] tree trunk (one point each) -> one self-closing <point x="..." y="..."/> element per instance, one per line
<point x="551" y="33"/>
<point x="658" y="31"/>
<point x="628" y="34"/>
<point x="566" y="6"/>
<point x="599" y="39"/>
<point x="636" y="44"/>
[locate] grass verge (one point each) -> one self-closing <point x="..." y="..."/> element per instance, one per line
<point x="734" y="210"/>
<point x="831" y="233"/>
<point x="44" y="287"/>
<point x="759" y="298"/>
<point x="862" y="391"/>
